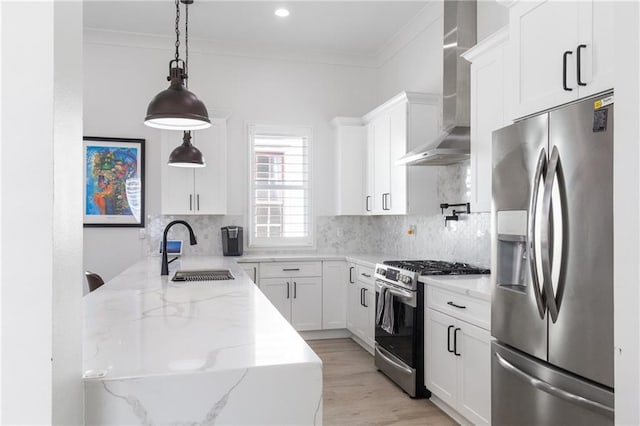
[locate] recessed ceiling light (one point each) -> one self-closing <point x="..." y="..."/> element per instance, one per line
<point x="282" y="12"/>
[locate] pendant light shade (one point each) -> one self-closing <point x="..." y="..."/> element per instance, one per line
<point x="186" y="155"/>
<point x="177" y="108"/>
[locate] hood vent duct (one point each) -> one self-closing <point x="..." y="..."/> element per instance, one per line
<point x="453" y="145"/>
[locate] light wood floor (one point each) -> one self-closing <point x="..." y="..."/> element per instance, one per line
<point x="356" y="393"/>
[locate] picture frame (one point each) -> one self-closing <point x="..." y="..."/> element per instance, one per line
<point x="113" y="182"/>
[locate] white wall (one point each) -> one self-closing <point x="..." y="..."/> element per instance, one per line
<point x="120" y="81"/>
<point x="417" y="65"/>
<point x="491" y="17"/>
<point x="40" y="229"/>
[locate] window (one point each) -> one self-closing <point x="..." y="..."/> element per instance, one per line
<point x="280" y="212"/>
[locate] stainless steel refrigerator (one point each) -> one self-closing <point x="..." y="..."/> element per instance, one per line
<point x="552" y="247"/>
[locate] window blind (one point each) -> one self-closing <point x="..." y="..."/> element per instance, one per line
<point x="280" y="182"/>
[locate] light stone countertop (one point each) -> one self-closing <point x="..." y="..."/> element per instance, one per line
<point x="142" y="324"/>
<point x="368" y="260"/>
<point x="478" y="286"/>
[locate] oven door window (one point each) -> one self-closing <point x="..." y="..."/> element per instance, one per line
<point x="403" y="341"/>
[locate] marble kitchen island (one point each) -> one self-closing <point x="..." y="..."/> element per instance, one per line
<point x="210" y="352"/>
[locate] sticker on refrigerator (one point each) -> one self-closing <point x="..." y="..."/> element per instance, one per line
<point x="600" y="120"/>
<point x="603" y="102"/>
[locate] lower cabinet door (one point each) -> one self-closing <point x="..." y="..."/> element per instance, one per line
<point x="369" y="313"/>
<point x="440" y="361"/>
<point x="279" y="292"/>
<point x="474" y="373"/>
<point x="353" y="307"/>
<point x="306" y="303"/>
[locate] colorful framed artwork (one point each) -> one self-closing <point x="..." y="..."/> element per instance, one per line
<point x="113" y="182"/>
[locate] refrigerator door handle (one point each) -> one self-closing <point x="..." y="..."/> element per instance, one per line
<point x="546" y="243"/>
<point x="541" y="169"/>
<point x="553" y="390"/>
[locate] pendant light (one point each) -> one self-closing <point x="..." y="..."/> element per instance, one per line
<point x="177" y="108"/>
<point x="186" y="155"/>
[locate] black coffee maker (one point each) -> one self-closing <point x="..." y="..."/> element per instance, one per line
<point x="231" y="240"/>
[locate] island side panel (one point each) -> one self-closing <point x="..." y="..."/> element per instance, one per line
<point x="271" y="395"/>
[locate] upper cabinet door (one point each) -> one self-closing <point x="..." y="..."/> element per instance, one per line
<point x="545" y="36"/>
<point x="381" y="178"/>
<point x="210" y="185"/>
<point x="396" y="200"/>
<point x="597" y="48"/>
<point x="351" y="160"/>
<point x="176" y="182"/>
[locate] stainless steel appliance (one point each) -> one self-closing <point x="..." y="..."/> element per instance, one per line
<point x="552" y="251"/>
<point x="399" y="345"/>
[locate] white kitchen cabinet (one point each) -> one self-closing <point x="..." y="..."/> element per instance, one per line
<point x="562" y="51"/>
<point x="489" y="87"/>
<point x="252" y="269"/>
<point x="295" y="289"/>
<point x="350" y="163"/>
<point x="297" y="298"/>
<point x="361" y="306"/>
<point x="334" y="294"/>
<point x="278" y="291"/>
<point x="195" y="191"/>
<point x="458" y="352"/>
<point x="394" y="128"/>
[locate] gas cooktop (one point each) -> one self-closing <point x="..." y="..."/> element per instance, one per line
<point x="436" y="267"/>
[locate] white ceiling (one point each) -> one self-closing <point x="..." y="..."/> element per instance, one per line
<point x="348" y="27"/>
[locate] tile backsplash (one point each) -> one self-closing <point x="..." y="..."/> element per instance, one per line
<point x="467" y="240"/>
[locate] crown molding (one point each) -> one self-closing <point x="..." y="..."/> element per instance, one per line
<point x="403" y="97"/>
<point x="150" y="41"/>
<point x="496" y="39"/>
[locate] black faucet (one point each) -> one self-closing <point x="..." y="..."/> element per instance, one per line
<point x="192" y="241"/>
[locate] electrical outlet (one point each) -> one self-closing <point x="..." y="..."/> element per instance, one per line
<point x="412" y="230"/>
<point x="142" y="233"/>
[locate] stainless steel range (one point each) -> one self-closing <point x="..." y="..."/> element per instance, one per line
<point x="399" y="332"/>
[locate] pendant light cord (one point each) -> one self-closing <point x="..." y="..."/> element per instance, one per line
<point x="186" y="45"/>
<point x="177" y="29"/>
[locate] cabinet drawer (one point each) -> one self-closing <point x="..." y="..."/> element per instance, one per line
<point x="466" y="308"/>
<point x="365" y="274"/>
<point x="290" y="269"/>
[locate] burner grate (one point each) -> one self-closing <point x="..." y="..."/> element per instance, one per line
<point x="436" y="267"/>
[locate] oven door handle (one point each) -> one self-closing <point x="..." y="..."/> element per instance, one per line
<point x="386" y="356"/>
<point x="395" y="291"/>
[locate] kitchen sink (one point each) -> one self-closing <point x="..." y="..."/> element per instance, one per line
<point x="203" y="275"/>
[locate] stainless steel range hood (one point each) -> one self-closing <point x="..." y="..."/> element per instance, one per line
<point x="453" y="145"/>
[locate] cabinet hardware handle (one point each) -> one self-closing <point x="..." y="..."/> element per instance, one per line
<point x="387" y="204"/>
<point x="368" y="204"/>
<point x="455" y="342"/>
<point x="365" y="275"/>
<point x="351" y="275"/>
<point x="290" y="269"/>
<point x="456" y="306"/>
<point x="295" y="289"/>
<point x="364" y="298"/>
<point x="255" y="274"/>
<point x="361" y="297"/>
<point x="580" y="47"/>
<point x="287" y="289"/>
<point x="564" y="70"/>
<point x="190" y="202"/>
<point x="449" y="338"/>
<point x="198" y="202"/>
